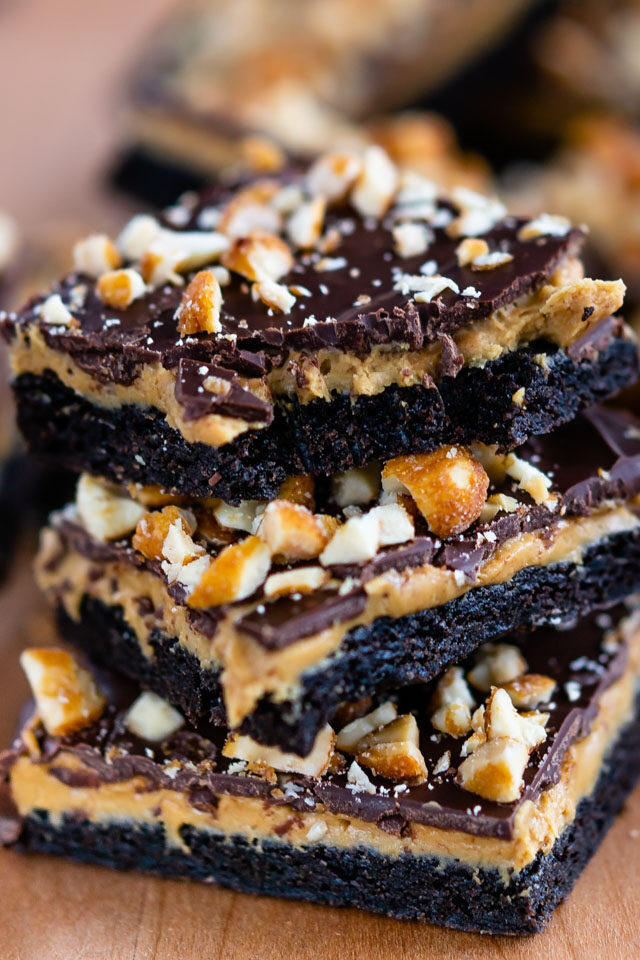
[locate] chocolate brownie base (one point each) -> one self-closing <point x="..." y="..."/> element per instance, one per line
<point x="29" y="491"/>
<point x="387" y="655"/>
<point x="153" y="178"/>
<point x="406" y="887"/>
<point x="135" y="444"/>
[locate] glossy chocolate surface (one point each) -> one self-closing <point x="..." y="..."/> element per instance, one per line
<point x="347" y="300"/>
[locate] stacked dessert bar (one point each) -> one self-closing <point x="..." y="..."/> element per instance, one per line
<point x="345" y="573"/>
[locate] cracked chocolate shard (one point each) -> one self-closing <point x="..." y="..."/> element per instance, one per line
<point x="266" y="615"/>
<point x="308" y="323"/>
<point x="389" y="803"/>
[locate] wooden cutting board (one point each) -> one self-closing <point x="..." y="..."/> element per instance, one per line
<point x="52" y="910"/>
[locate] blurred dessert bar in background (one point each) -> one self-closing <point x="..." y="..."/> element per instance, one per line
<point x="253" y="83"/>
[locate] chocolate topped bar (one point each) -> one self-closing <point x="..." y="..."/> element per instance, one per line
<point x="521" y="732"/>
<point x="270" y="613"/>
<point x="578" y="666"/>
<point x="276" y="323"/>
<point x="363" y="296"/>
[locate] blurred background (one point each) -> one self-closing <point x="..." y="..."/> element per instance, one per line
<point x="109" y="108"/>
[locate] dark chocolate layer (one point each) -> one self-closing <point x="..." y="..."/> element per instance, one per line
<point x="131" y="443"/>
<point x="406" y="887"/>
<point x="385" y="656"/>
<point x="113" y="344"/>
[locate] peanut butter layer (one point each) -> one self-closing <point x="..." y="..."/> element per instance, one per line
<point x="154" y="783"/>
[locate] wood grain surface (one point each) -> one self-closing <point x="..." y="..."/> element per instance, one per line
<point x="61" y="63"/>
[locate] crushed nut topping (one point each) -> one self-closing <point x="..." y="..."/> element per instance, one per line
<point x="497" y="754"/>
<point x="199" y="310"/>
<point x="393" y="751"/>
<point x="119" y="288"/>
<point x="546" y="224"/>
<point x="451" y="704"/>
<point x="137" y="236"/>
<point x="56" y="313"/>
<point x="501" y="719"/>
<point x="152" y="718"/>
<point x="495" y="503"/>
<point x="354" y="732"/>
<point x="299" y="580"/>
<point x="332" y="175"/>
<point x="246" y="516"/>
<point x="470" y="248"/>
<point x="452" y="688"/>
<point x="479" y="214"/>
<point x="300" y="489"/>
<point x="489" y="261"/>
<point x="356" y="487"/>
<point x="530" y="479"/>
<point x="272" y="228"/>
<point x="67" y="698"/>
<point x="357" y="780"/>
<point x="259" y="256"/>
<point x="442" y="764"/>
<point x="376" y="184"/>
<point x="495" y="665"/>
<point x="153" y="528"/>
<point x="449" y="486"/>
<point x="411" y="239"/>
<point x="292" y="531"/>
<point x="304" y="226"/>
<point x="276" y="296"/>
<point x="96" y="255"/>
<point x="174" y="252"/>
<point x="105" y="511"/>
<point x="240" y="747"/>
<point x="495" y="770"/>
<point x="355" y="541"/>
<point x="251" y="209"/>
<point x="234" y="574"/>
<point x="530" y="690"/>
<point x="424" y="287"/>
<point x="452" y="718"/>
